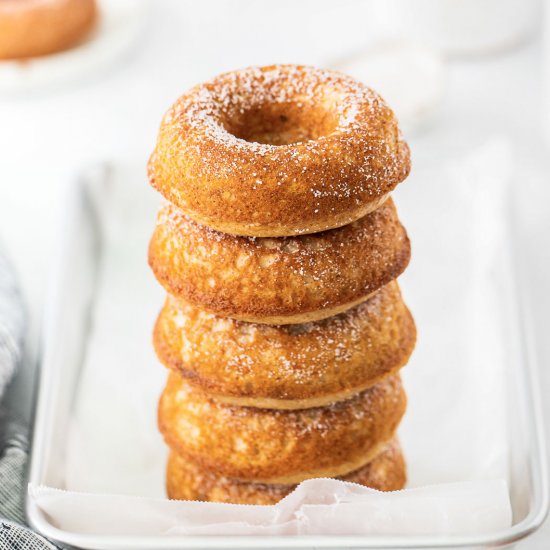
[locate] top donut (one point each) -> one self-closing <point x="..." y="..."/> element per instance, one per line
<point x="278" y="151"/>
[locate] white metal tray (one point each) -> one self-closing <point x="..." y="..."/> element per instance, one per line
<point x="64" y="347"/>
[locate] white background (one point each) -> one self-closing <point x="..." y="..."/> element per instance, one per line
<point x="45" y="136"/>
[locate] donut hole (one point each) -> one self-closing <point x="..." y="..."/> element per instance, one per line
<point x="282" y="123"/>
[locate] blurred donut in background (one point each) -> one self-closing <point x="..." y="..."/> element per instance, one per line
<point x="33" y="28"/>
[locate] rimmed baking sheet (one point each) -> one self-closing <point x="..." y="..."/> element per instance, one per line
<point x="471" y="365"/>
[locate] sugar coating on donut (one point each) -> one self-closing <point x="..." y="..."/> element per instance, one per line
<point x="315" y="146"/>
<point x="231" y="107"/>
<point x="289" y="366"/>
<point x="277" y="446"/>
<point x="186" y="480"/>
<point x="220" y="107"/>
<point x="256" y="278"/>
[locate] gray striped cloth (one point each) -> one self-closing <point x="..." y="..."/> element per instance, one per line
<point x="13" y="432"/>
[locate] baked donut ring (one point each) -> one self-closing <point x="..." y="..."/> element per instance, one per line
<point x="278" y="281"/>
<point x="288" y="366"/>
<point x="30" y="28"/>
<point x="281" y="447"/>
<point x="278" y="151"/>
<point x="186" y="481"/>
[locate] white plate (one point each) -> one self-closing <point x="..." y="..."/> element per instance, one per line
<point x="120" y="24"/>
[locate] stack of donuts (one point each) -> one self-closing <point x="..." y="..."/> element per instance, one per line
<point x="283" y="329"/>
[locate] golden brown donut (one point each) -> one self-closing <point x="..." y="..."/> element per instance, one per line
<point x="282" y="447"/>
<point x="31" y="28"/>
<point x="278" y="281"/>
<point x="186" y="481"/>
<point x="287" y="366"/>
<point x="277" y="151"/>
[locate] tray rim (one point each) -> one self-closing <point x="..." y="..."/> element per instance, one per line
<point x="540" y="496"/>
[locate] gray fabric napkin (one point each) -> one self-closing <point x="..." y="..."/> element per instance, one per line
<point x="12" y="324"/>
<point x="13" y="432"/>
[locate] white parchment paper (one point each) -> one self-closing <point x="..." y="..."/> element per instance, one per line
<point x="454" y="434"/>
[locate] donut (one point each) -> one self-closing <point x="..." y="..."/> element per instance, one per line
<point x="187" y="481"/>
<point x="278" y="151"/>
<point x="274" y="446"/>
<point x="31" y="28"/>
<point x="287" y="366"/>
<point x="278" y="281"/>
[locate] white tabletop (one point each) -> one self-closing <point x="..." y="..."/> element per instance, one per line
<point x="47" y="135"/>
